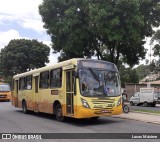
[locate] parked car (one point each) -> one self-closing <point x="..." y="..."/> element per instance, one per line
<point x="146" y="96"/>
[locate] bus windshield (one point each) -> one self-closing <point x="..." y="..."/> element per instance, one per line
<point x="99" y="83"/>
<point x="4" y="88"/>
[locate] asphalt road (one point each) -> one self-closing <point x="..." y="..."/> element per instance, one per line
<point x="12" y="120"/>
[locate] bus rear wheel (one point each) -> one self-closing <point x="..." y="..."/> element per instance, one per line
<point x="24" y="107"/>
<point x="59" y="113"/>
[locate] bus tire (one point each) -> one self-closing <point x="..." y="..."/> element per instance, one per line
<point x="24" y="107"/>
<point x="59" y="113"/>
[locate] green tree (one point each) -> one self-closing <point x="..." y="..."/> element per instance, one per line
<point x="134" y="76"/>
<point x="152" y="66"/>
<point x="21" y="55"/>
<point x="128" y="75"/>
<point x="123" y="75"/>
<point x="156" y="48"/>
<point x="142" y="71"/>
<point x="112" y="30"/>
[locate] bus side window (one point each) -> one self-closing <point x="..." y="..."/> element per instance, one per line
<point x="44" y="80"/>
<point x="56" y="78"/>
<point x="22" y="83"/>
<point x="29" y="82"/>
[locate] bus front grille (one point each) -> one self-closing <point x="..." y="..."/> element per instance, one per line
<point x="101" y="107"/>
<point x="103" y="104"/>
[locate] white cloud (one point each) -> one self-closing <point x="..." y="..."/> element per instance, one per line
<point x="20" y="8"/>
<point x="149" y="51"/>
<point x="36" y="25"/>
<point x="24" y="12"/>
<point x="1" y="23"/>
<point x="7" y="36"/>
<point x="11" y="34"/>
<point x="53" y="57"/>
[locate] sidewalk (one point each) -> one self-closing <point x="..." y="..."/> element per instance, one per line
<point x="145" y="117"/>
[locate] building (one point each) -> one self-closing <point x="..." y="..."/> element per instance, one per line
<point x="131" y="88"/>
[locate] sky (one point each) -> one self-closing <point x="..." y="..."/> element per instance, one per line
<point x="20" y="19"/>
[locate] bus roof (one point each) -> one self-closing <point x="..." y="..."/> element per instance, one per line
<point x="56" y="65"/>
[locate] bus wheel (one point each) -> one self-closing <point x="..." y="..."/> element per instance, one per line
<point x="94" y="118"/>
<point x="59" y="113"/>
<point x="24" y="107"/>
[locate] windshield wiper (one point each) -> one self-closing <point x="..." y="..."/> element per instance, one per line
<point x="94" y="74"/>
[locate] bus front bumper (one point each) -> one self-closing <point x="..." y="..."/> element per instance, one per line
<point x="87" y="113"/>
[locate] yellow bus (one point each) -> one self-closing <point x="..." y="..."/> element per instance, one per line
<point x="5" y="92"/>
<point x="77" y="88"/>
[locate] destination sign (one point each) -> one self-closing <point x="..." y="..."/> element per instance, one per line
<point x="101" y="65"/>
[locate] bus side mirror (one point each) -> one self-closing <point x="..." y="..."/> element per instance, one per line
<point x="75" y="74"/>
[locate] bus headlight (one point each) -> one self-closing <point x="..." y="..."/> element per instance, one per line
<point x="119" y="101"/>
<point x="84" y="103"/>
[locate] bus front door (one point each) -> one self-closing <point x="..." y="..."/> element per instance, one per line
<point x="70" y="92"/>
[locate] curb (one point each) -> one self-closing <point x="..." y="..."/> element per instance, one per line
<point x="153" y="122"/>
<point x="136" y="119"/>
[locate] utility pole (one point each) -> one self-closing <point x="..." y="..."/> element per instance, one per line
<point x="150" y="54"/>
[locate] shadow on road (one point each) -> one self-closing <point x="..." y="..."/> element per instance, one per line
<point x="74" y="121"/>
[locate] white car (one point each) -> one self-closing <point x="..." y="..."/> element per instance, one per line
<point x="135" y="99"/>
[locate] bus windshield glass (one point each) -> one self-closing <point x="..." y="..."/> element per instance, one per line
<point x="4" y="88"/>
<point x="99" y="83"/>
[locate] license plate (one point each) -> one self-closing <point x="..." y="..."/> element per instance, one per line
<point x="2" y="96"/>
<point x="104" y="111"/>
